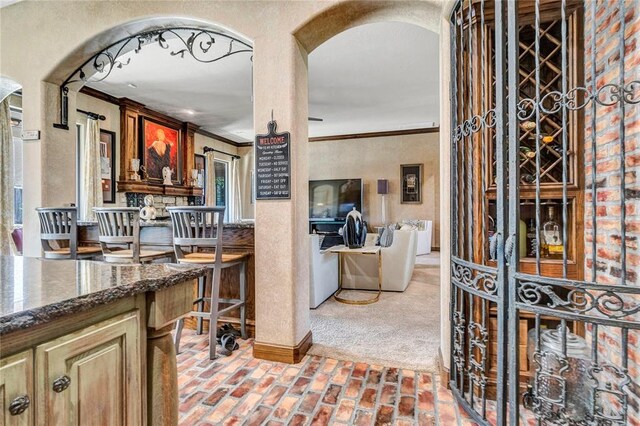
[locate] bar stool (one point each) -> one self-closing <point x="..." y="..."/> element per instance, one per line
<point x="120" y="226"/>
<point x="195" y="228"/>
<point x="60" y="224"/>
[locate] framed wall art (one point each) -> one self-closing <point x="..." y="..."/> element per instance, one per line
<point x="161" y="147"/>
<point x="411" y="183"/>
<point x="200" y="164"/>
<point x="108" y="165"/>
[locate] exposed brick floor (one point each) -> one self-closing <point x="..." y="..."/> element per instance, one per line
<point x="241" y="390"/>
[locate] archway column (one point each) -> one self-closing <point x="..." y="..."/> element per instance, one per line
<point x="281" y="228"/>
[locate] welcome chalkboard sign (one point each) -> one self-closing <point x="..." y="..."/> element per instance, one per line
<point x="273" y="165"/>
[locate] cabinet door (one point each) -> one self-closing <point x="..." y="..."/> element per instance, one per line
<point x="16" y="389"/>
<point x="92" y="376"/>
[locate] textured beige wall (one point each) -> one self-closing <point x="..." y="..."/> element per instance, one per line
<point x="380" y="158"/>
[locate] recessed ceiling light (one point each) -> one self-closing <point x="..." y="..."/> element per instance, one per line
<point x="189" y="111"/>
<point x="133" y="86"/>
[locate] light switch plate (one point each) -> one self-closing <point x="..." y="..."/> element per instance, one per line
<point x="31" y="135"/>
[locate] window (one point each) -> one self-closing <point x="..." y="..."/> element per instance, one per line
<point x="15" y="103"/>
<point x="79" y="137"/>
<point x="222" y="188"/>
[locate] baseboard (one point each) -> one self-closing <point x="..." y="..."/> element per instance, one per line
<point x="288" y="354"/>
<point x="443" y="371"/>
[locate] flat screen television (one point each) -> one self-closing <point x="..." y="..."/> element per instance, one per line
<point x="333" y="199"/>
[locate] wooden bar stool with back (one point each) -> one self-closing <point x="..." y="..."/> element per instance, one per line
<point x="119" y="227"/>
<point x="59" y="226"/>
<point x="194" y="229"/>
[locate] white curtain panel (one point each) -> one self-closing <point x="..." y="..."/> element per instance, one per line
<point x="210" y="184"/>
<point x="6" y="179"/>
<point x="235" y="211"/>
<point x="90" y="179"/>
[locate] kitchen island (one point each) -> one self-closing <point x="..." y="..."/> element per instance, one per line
<point x="236" y="238"/>
<point x="86" y="342"/>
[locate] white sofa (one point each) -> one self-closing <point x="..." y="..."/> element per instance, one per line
<point x="323" y="273"/>
<point x="424" y="238"/>
<point x="398" y="260"/>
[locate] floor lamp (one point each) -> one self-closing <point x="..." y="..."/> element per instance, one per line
<point x="383" y="189"/>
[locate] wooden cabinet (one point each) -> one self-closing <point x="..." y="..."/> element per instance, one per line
<point x="16" y="389"/>
<point x="91" y="376"/>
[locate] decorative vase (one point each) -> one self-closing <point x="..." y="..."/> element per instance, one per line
<point x="148" y="212"/>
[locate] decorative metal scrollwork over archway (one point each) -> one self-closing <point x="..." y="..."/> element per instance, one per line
<point x="203" y="45"/>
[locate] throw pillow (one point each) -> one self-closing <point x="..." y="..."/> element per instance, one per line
<point x="386" y="239"/>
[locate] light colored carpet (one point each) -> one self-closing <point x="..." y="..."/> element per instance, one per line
<point x="400" y="330"/>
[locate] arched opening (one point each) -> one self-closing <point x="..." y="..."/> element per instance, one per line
<point x="180" y="83"/>
<point x="376" y="88"/>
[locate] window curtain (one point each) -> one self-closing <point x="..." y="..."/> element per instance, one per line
<point x="90" y="179"/>
<point x="6" y="179"/>
<point x="235" y="207"/>
<point x="210" y="180"/>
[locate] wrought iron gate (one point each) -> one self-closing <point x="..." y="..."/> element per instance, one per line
<point x="545" y="294"/>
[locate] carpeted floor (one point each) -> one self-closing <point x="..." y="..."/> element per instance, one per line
<point x="400" y="330"/>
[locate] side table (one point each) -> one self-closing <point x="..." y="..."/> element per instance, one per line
<point x="367" y="251"/>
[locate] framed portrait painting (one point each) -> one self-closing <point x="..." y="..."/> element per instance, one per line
<point x="161" y="147"/>
<point x="108" y="165"/>
<point x="411" y="182"/>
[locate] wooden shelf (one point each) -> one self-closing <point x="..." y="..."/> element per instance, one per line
<point x="158" y="189"/>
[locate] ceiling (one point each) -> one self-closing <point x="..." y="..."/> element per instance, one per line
<point x="376" y="77"/>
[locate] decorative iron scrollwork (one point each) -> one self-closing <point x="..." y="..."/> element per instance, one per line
<point x="196" y="42"/>
<point x="475" y="124"/>
<point x="578" y="300"/>
<point x="476" y="279"/>
<point x="578" y="98"/>
<point x="610" y="384"/>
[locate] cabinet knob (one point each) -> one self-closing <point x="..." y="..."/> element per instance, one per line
<point x="61" y="383"/>
<point x="19" y="405"/>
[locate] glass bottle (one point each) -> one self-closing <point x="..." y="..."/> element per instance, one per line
<point x="532" y="240"/>
<point x="551" y="236"/>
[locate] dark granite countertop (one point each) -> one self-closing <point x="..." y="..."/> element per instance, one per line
<point x="35" y="291"/>
<point x="167" y="223"/>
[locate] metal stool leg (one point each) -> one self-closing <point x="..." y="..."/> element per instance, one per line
<point x="176" y="337"/>
<point x="214" y="279"/>
<point x="200" y="304"/>
<point x="243" y="297"/>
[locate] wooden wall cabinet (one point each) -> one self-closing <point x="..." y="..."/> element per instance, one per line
<point x="92" y="376"/>
<point x="131" y="113"/>
<point x="16" y="389"/>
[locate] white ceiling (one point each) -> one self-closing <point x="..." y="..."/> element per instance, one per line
<point x="375" y="77"/>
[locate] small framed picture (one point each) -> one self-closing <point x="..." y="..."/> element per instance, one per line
<point x="411" y="183"/>
<point x="108" y="165"/>
<point x="200" y="164"/>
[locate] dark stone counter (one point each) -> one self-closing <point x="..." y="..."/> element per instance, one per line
<point x="35" y="291"/>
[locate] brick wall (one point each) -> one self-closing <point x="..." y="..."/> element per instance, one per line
<point x="608" y="254"/>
